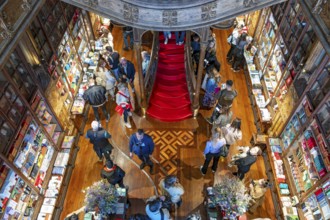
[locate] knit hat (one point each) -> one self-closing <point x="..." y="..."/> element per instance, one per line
<point x="95" y="125"/>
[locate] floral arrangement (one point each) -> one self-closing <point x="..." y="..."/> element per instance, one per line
<point x="231" y="195"/>
<point x="101" y="197"/>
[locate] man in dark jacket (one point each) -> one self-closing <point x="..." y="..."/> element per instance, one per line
<point x="225" y="101"/>
<point x="96" y="96"/>
<point x="99" y="138"/>
<point x="127" y="72"/>
<point x="113" y="60"/>
<point x="244" y="164"/>
<point x="113" y="173"/>
<point x="142" y="145"/>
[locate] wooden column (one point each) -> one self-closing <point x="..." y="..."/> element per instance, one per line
<point x="199" y="78"/>
<point x="137" y="48"/>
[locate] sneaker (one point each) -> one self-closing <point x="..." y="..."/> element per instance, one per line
<point x="129" y="113"/>
<point x="181" y="43"/>
<point x="108" y="118"/>
<point x="177" y="43"/>
<point x="142" y="165"/>
<point x="133" y="90"/>
<point x="169" y="36"/>
<point x="152" y="170"/>
<point x="128" y="125"/>
<point x="236" y="70"/>
<point x="166" y="41"/>
<point x="126" y="48"/>
<point x="213" y="171"/>
<point x="201" y="167"/>
<point x="101" y="159"/>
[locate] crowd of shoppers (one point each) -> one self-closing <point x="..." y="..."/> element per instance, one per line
<point x="116" y="77"/>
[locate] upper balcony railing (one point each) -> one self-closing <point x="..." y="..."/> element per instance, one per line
<point x="171" y="15"/>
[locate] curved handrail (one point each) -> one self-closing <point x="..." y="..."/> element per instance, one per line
<point x="152" y="68"/>
<point x="190" y="75"/>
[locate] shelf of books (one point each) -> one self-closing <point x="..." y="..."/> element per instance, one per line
<point x="17" y="198"/>
<point x="59" y="179"/>
<point x="317" y="204"/>
<point x="91" y="61"/>
<point x="31" y="152"/>
<point x="46" y="117"/>
<point x="284" y="195"/>
<point x="258" y="99"/>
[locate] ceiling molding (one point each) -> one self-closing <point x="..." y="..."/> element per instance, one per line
<point x="173" y="15"/>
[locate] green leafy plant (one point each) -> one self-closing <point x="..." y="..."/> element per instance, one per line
<point x="101" y="197"/>
<point x="231" y="195"/>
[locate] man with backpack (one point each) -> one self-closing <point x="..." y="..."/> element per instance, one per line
<point x="99" y="138"/>
<point x="113" y="173"/>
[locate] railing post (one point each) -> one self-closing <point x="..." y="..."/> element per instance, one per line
<point x="199" y="78"/>
<point x="137" y="49"/>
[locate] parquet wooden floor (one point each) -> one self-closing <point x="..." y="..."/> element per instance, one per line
<point x="189" y="158"/>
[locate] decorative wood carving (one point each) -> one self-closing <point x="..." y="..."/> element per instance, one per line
<point x="92" y="3"/>
<point x="170" y="17"/>
<point x="209" y="11"/>
<point x="6" y="27"/>
<point x="131" y="13"/>
<point x="248" y="3"/>
<point x="26" y="5"/>
<point x="318" y="6"/>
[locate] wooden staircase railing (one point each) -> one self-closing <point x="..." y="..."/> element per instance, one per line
<point x="190" y="73"/>
<point x="152" y="68"/>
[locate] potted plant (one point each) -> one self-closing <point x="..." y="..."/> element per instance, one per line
<point x="231" y="195"/>
<point x="102" y="198"/>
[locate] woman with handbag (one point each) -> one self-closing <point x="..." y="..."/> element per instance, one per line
<point x="171" y="187"/>
<point x="232" y="132"/>
<point x="213" y="151"/>
<point x="123" y="103"/>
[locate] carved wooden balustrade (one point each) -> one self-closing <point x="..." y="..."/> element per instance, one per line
<point x="190" y="71"/>
<point x="150" y="76"/>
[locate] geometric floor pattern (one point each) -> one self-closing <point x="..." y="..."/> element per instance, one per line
<point x="167" y="143"/>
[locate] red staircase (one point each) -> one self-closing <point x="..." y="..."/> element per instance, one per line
<point x="170" y="96"/>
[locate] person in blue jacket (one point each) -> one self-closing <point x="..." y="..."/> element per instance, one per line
<point x="143" y="146"/>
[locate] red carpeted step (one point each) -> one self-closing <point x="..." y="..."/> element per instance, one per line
<point x="171" y="66"/>
<point x="172" y="86"/>
<point x="170" y="99"/>
<point x="169" y="115"/>
<point x="171" y="102"/>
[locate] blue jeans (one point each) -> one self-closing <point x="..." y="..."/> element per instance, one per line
<point x="116" y="73"/>
<point x="166" y="34"/>
<point x="105" y="112"/>
<point x="181" y="38"/>
<point x="130" y="34"/>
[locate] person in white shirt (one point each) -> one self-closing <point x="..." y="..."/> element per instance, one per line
<point x="155" y="210"/>
<point x="170" y="186"/>
<point x="232" y="132"/>
<point x="123" y="103"/>
<point x="110" y="84"/>
<point x="212" y="151"/>
<point x="243" y="152"/>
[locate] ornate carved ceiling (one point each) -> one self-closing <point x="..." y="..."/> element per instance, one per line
<point x="12" y="14"/>
<point x="171" y="14"/>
